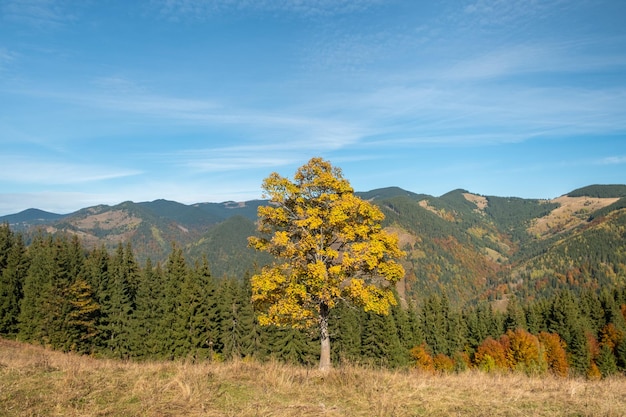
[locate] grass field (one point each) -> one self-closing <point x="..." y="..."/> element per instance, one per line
<point x="38" y="382"/>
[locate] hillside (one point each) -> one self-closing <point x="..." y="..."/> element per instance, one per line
<point x="467" y="245"/>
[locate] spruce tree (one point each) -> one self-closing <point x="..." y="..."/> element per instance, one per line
<point x="230" y="304"/>
<point x="174" y="337"/>
<point x="37" y="284"/>
<point x="251" y="339"/>
<point x="606" y="361"/>
<point x="118" y="306"/>
<point x="345" y="333"/>
<point x="96" y="274"/>
<point x="515" y="317"/>
<point x="434" y="324"/>
<point x="12" y="275"/>
<point x="146" y="318"/>
<point x="380" y="342"/>
<point x="293" y="346"/>
<point x="81" y="317"/>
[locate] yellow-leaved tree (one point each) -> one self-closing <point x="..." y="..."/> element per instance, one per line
<point x="329" y="246"/>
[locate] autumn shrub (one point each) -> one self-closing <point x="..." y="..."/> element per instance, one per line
<point x="443" y="363"/>
<point x="593" y="373"/>
<point x="491" y="355"/>
<point x="610" y="336"/>
<point x="423" y="359"/>
<point x="524" y="352"/>
<point x="555" y="354"/>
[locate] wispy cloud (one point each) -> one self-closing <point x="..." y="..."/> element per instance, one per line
<point x="33" y="170"/>
<point x="202" y="9"/>
<point x="42" y="14"/>
<point x="507" y="12"/>
<point x="613" y="160"/>
<point x="6" y="58"/>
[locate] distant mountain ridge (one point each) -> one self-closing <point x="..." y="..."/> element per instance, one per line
<point x="467" y="245"/>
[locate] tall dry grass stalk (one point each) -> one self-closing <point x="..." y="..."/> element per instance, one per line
<point x="38" y="382"/>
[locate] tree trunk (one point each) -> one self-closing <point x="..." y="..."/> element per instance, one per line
<point x="325" y="363"/>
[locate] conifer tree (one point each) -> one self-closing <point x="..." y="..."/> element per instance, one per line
<point x="345" y="333"/>
<point x="477" y="328"/>
<point x="251" y="339"/>
<point x="36" y="289"/>
<point x="176" y="272"/>
<point x="13" y="269"/>
<point x="96" y="273"/>
<point x="55" y="265"/>
<point x="197" y="297"/>
<point x="536" y="317"/>
<point x="147" y="333"/>
<point x="293" y="345"/>
<point x="118" y="305"/>
<point x="235" y="319"/>
<point x="403" y="326"/>
<point x="606" y="361"/>
<point x="81" y="317"/>
<point x="380" y="342"/>
<point x="434" y="324"/>
<point x="515" y="317"/>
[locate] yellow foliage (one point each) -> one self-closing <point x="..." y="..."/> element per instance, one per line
<point x="329" y="245"/>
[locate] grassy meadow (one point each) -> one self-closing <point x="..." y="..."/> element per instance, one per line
<point x="38" y="382"/>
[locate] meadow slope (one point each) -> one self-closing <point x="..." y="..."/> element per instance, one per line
<point x="38" y="382"/>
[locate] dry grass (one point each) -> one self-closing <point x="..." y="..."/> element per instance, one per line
<point x="572" y="212"/>
<point x="38" y="382"/>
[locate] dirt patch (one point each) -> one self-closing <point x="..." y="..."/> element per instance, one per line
<point x="480" y="201"/>
<point x="572" y="212"/>
<point x="404" y="237"/>
<point x="446" y="215"/>
<point x="108" y="221"/>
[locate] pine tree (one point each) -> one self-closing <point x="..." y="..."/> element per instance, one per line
<point x="606" y="361"/>
<point x="146" y="319"/>
<point x="13" y="270"/>
<point x="97" y="275"/>
<point x="293" y="346"/>
<point x="82" y="316"/>
<point x="231" y="302"/>
<point x="434" y="324"/>
<point x="118" y="306"/>
<point x="592" y="311"/>
<point x="515" y="317"/>
<point x="345" y="332"/>
<point x="36" y="289"/>
<point x="380" y="342"/>
<point x="477" y="327"/>
<point x="251" y="339"/>
<point x="196" y="311"/>
<point x="174" y="337"/>
<point x="536" y="317"/>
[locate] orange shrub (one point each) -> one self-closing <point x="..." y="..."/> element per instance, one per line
<point x="423" y="360"/>
<point x="491" y="352"/>
<point x="443" y="363"/>
<point x="555" y="354"/>
<point x="524" y="351"/>
<point x="610" y="336"/>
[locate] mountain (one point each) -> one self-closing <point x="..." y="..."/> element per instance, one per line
<point x="468" y="245"/>
<point x="29" y="217"/>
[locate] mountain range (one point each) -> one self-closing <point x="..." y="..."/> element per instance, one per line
<point x="466" y="245"/>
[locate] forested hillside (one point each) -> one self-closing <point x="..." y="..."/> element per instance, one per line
<point x="485" y="277"/>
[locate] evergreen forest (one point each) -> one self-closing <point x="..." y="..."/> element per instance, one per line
<point x="59" y="293"/>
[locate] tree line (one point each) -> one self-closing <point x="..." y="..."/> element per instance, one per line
<point x="58" y="294"/>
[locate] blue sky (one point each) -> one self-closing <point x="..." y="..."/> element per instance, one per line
<point x="199" y="101"/>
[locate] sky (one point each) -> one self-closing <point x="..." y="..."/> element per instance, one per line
<point x="198" y="101"/>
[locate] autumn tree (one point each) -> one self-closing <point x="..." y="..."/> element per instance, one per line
<point x="328" y="246"/>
